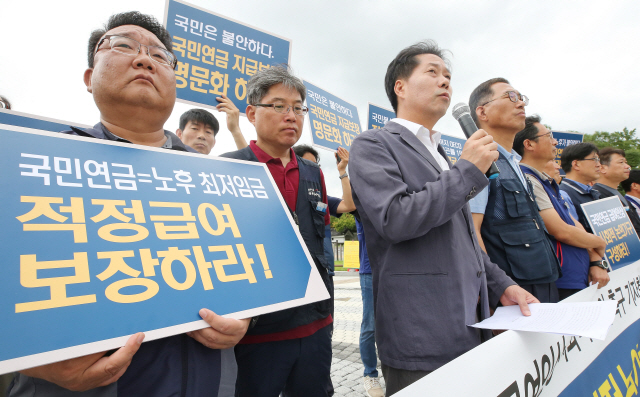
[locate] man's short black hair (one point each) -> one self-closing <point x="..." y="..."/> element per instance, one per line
<point x="301" y="150"/>
<point x="579" y="151"/>
<point x="147" y="22"/>
<point x="199" y="116"/>
<point x="7" y="104"/>
<point x="482" y="94"/>
<point x="634" y="177"/>
<point x="529" y="132"/>
<point x="405" y="62"/>
<point x="608" y="152"/>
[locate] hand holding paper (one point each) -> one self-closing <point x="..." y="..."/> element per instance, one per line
<point x="589" y="319"/>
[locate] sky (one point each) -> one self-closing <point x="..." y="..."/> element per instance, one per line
<point x="576" y="61"/>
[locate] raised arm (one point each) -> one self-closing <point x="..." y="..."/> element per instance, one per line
<point x="233" y="120"/>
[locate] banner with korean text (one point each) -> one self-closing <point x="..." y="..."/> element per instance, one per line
<point x="565" y="139"/>
<point x="102" y="239"/>
<point x="452" y="147"/>
<point x="12" y="117"/>
<point x="609" y="220"/>
<point x="217" y="55"/>
<point x="334" y="122"/>
<point x="527" y="364"/>
<point x="378" y="116"/>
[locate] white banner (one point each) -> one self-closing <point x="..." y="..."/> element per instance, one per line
<point x="538" y="364"/>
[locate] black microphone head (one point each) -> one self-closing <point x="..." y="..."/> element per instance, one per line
<point x="459" y="110"/>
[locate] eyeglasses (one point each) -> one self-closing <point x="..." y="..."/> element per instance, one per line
<point x="284" y="108"/>
<point x="513" y="97"/>
<point x="540" y="136"/>
<point x="596" y="159"/>
<point x="128" y="46"/>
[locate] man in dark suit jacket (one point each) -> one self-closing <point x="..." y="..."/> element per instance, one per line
<point x="428" y="270"/>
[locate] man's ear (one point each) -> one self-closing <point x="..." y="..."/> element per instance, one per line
<point x="251" y="114"/>
<point x="179" y="133"/>
<point x="481" y="114"/>
<point x="398" y="88"/>
<point x="87" y="79"/>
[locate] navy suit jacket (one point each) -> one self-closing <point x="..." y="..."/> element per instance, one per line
<point x="428" y="269"/>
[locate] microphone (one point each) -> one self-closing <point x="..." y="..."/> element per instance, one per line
<point x="463" y="115"/>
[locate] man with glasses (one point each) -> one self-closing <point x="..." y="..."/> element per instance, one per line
<point x="506" y="218"/>
<point x="289" y="351"/>
<point x="613" y="170"/>
<point x="575" y="248"/>
<point x="581" y="164"/>
<point x="133" y="84"/>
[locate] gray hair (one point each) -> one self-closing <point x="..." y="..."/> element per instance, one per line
<point x="263" y="80"/>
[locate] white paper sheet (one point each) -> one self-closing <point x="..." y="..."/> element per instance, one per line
<point x="589" y="319"/>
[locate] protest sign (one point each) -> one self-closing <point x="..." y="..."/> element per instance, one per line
<point x="12" y="117"/>
<point x="217" y="55"/>
<point x="352" y="254"/>
<point x="334" y="122"/>
<point x="565" y="139"/>
<point x="378" y="116"/>
<point x="102" y="239"/>
<point x="452" y="147"/>
<point x="522" y="364"/>
<point x="609" y="220"/>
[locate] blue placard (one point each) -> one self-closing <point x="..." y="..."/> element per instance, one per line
<point x="609" y="220"/>
<point x="217" y="55"/>
<point x="452" y="147"/>
<point x="11" y="117"/>
<point x="565" y="139"/>
<point x="334" y="122"/>
<point x="378" y="116"/>
<point x="103" y="239"/>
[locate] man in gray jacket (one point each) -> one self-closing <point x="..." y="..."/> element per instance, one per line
<point x="428" y="270"/>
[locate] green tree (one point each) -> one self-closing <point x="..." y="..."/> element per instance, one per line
<point x="625" y="139"/>
<point x="344" y="224"/>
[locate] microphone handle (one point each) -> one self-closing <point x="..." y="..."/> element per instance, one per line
<point x="469" y="128"/>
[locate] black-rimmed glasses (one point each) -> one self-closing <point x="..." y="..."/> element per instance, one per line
<point x="513" y="97"/>
<point x="284" y="109"/>
<point x="596" y="159"/>
<point x="129" y="46"/>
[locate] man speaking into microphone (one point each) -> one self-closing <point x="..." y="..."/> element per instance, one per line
<point x="428" y="268"/>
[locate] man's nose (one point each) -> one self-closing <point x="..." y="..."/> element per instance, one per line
<point x="143" y="59"/>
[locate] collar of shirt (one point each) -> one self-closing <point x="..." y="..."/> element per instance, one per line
<point x="514" y="158"/>
<point x="113" y="137"/>
<point x="263" y="157"/>
<point x="582" y="186"/>
<point x="429" y="140"/>
<point x="542" y="175"/>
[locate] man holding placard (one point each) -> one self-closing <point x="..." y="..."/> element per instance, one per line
<point x="574" y="247"/>
<point x="132" y="81"/>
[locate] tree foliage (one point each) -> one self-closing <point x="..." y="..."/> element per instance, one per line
<point x="625" y="139"/>
<point x="344" y="224"/>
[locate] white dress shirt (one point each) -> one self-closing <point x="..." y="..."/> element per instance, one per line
<point x="429" y="139"/>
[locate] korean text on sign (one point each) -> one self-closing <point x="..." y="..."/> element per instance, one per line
<point x="218" y="56"/>
<point x="334" y="122"/>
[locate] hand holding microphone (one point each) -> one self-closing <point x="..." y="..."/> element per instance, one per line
<point x="480" y="149"/>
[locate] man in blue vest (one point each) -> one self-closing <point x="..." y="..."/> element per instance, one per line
<point x="575" y="248"/>
<point x="505" y="215"/>
<point x="581" y="164"/>
<point x="289" y="351"/>
<point x="132" y="80"/>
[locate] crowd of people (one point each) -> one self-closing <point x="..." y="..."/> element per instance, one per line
<point x="444" y="244"/>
